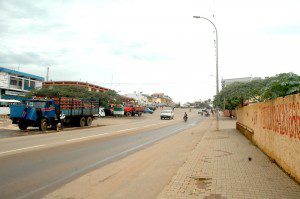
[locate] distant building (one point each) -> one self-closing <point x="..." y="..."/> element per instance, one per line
<point x="186" y="105"/>
<point x="149" y="99"/>
<point x="197" y="104"/>
<point x="203" y="104"/>
<point x="126" y="99"/>
<point x="161" y="98"/>
<point x="226" y="82"/>
<point x="88" y="86"/>
<point x="140" y="98"/>
<point x="15" y="84"/>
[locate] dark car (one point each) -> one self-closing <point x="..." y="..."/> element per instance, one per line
<point x="153" y="108"/>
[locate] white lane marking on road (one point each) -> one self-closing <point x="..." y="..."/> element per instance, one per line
<point x="80" y="138"/>
<point x="127" y="129"/>
<point x="183" y="128"/>
<point x="85" y="137"/>
<point x="130" y="123"/>
<point x="21" y="149"/>
<point x="140" y="127"/>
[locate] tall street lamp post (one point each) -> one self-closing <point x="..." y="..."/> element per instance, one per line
<point x="217" y="68"/>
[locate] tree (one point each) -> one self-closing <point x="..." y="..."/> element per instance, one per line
<point x="106" y="98"/>
<point x="281" y="85"/>
<point x="235" y="94"/>
<point x="204" y="104"/>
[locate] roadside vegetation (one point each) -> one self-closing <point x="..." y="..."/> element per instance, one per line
<point x="106" y="98"/>
<point x="205" y="104"/>
<point x="236" y="94"/>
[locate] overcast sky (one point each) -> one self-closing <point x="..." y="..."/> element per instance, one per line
<point x="150" y="45"/>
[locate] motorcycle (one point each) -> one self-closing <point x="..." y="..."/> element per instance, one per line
<point x="185" y="118"/>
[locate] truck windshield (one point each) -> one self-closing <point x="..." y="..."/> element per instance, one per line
<point x="36" y="104"/>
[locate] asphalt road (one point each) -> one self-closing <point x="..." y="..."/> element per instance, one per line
<point x="33" y="166"/>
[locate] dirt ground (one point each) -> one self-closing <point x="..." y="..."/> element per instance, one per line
<point x="140" y="175"/>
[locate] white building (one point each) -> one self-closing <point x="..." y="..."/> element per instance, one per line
<point x="14" y="84"/>
<point x="139" y="97"/>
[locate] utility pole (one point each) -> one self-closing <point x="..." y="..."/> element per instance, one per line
<point x="111" y="81"/>
<point x="47" y="75"/>
<point x="217" y="66"/>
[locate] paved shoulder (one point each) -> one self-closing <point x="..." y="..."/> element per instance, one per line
<point x="226" y="165"/>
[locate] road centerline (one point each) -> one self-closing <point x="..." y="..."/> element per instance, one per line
<point x="21" y="149"/>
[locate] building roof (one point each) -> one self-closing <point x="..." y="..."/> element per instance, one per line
<point x="18" y="73"/>
<point x="68" y="83"/>
<point x="158" y="94"/>
<point x="127" y="98"/>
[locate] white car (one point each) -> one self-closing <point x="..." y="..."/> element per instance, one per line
<point x="167" y="114"/>
<point x="5" y="104"/>
<point x="101" y="112"/>
<point x="200" y="111"/>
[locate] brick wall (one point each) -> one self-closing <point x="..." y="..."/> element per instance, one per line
<point x="226" y="113"/>
<point x="276" y="130"/>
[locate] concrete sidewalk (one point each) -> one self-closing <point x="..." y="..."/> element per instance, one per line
<point x="225" y="164"/>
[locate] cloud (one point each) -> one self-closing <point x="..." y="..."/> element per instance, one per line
<point x="25" y="58"/>
<point x="136" y="50"/>
<point x="282" y="30"/>
<point x="19" y="9"/>
<point x="23" y="17"/>
<point x="152" y="44"/>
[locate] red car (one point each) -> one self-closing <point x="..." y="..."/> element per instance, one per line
<point x="131" y="110"/>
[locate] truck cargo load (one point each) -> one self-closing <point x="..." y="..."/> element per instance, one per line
<point x="132" y="110"/>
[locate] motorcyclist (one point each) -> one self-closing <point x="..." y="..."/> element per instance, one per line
<point x="185" y="117"/>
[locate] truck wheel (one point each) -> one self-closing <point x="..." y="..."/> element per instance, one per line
<point x="43" y="125"/>
<point x="139" y="114"/>
<point x="127" y="114"/>
<point x="82" y="122"/>
<point x="89" y="121"/>
<point x="22" y="126"/>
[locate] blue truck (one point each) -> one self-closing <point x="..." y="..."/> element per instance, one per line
<point x="54" y="113"/>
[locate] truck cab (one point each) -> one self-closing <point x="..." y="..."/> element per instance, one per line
<point x="34" y="112"/>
